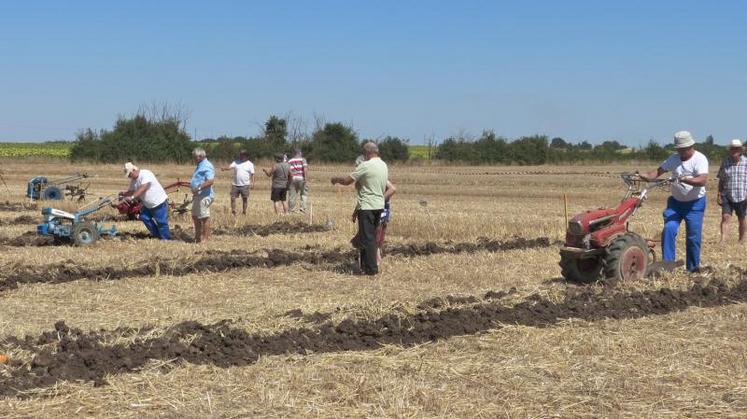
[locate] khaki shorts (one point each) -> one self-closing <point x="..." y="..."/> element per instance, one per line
<point x="239" y="190"/>
<point x="201" y="207"/>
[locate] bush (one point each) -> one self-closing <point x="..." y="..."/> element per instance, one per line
<point x="334" y="142"/>
<point x="135" y="139"/>
<point x="393" y="149"/>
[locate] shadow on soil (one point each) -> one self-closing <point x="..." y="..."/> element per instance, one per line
<point x="68" y="354"/>
<point x="222" y="261"/>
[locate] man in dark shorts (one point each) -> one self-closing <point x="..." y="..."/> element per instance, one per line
<point x="280" y="174"/>
<point x="732" y="189"/>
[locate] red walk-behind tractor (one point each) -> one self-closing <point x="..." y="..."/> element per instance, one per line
<point x="599" y="244"/>
<point x="132" y="207"/>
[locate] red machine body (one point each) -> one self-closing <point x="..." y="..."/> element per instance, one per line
<point x="132" y="208"/>
<point x="597" y="228"/>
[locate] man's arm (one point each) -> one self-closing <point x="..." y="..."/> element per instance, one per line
<point x="342" y="180"/>
<point x="390" y="190"/>
<point x="699" y="180"/>
<point x="305" y="172"/>
<point x="137" y="193"/>
<point x="653" y="174"/>
<point x="251" y="181"/>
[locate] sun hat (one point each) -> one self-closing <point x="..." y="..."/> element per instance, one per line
<point x="735" y="143"/>
<point x="129" y="168"/>
<point x="683" y="139"/>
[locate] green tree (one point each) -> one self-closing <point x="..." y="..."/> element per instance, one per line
<point x="558" y="142"/>
<point x="530" y="150"/>
<point x="334" y="142"/>
<point x="393" y="149"/>
<point x="139" y="138"/>
<point x="276" y="132"/>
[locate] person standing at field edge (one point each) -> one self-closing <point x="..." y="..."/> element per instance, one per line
<point x="202" y="194"/>
<point x="732" y="189"/>
<point x="280" y="174"/>
<point x="243" y="180"/>
<point x="299" y="187"/>
<point x="370" y="179"/>
<point x="154" y="212"/>
<point x="688" y="200"/>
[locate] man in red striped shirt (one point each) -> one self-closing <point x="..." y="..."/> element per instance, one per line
<point x="299" y="171"/>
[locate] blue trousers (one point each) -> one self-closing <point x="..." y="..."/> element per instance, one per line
<point x="692" y="212"/>
<point x="156" y="220"/>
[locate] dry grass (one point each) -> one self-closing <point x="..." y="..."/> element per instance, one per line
<point x="688" y="363"/>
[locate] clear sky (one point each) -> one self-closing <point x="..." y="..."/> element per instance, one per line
<point x="581" y="70"/>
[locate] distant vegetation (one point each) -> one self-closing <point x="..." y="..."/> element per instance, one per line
<point x="157" y="134"/>
<point x="53" y="149"/>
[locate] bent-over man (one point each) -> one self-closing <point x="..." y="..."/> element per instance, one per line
<point x="154" y="212"/>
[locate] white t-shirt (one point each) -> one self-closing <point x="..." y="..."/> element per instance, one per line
<point x="243" y="172"/>
<point x="694" y="166"/>
<point x="155" y="195"/>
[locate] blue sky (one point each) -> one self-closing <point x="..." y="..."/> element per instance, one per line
<point x="582" y="70"/>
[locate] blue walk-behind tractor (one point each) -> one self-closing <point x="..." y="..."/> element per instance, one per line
<point x="41" y="187"/>
<point x="68" y="227"/>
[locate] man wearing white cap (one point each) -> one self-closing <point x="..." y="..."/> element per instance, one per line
<point x="688" y="200"/>
<point x="732" y="189"/>
<point x="154" y="212"/>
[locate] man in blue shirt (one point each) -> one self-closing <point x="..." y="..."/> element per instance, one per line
<point x="202" y="194"/>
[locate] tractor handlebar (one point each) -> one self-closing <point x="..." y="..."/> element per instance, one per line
<point x="637" y="183"/>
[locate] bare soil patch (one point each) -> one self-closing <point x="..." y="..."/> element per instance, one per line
<point x="69" y="354"/>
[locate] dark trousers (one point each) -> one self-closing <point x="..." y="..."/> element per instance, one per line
<point x="368" y="220"/>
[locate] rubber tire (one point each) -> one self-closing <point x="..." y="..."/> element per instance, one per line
<point x="585" y="270"/>
<point x="628" y="244"/>
<point x="52" y="193"/>
<point x="84" y="234"/>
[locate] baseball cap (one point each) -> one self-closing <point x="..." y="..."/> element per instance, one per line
<point x="129" y="168"/>
<point x="683" y="139"/>
<point x="735" y="143"/>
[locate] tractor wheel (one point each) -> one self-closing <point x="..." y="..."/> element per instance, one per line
<point x="580" y="269"/>
<point x="85" y="234"/>
<point x="52" y="193"/>
<point x="627" y="258"/>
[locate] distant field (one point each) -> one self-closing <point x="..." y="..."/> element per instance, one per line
<point x="419" y="151"/>
<point x="59" y="150"/>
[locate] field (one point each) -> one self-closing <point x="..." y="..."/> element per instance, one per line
<point x="469" y="317"/>
<point x="51" y="150"/>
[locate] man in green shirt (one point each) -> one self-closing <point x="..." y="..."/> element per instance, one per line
<point x="370" y="182"/>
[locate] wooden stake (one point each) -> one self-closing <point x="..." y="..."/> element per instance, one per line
<point x="565" y="207"/>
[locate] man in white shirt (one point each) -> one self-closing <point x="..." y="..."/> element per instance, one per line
<point x="688" y="200"/>
<point x="243" y="180"/>
<point x="155" y="210"/>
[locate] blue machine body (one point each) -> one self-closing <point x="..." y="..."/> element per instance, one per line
<point x="60" y="224"/>
<point x="35" y="186"/>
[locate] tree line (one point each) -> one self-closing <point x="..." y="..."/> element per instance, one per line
<point x="160" y="136"/>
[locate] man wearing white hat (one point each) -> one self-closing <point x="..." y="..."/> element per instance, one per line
<point x="688" y="200"/>
<point x="155" y="211"/>
<point x="732" y="189"/>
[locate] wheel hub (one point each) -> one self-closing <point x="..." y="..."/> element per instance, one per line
<point x="633" y="264"/>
